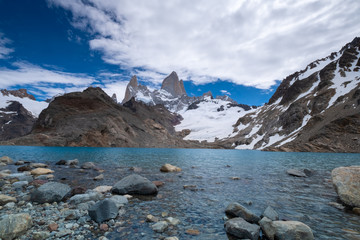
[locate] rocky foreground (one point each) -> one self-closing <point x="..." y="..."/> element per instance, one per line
<point x="35" y="206"/>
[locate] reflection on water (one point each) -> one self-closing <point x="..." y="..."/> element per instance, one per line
<point x="263" y="181"/>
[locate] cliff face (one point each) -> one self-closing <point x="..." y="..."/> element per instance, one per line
<point x="316" y="109"/>
<point x="92" y="118"/>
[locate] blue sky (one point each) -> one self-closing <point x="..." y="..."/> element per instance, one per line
<point x="239" y="48"/>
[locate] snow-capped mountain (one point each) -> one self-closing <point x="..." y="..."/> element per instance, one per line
<point x="18" y="112"/>
<point x="316" y="109"/>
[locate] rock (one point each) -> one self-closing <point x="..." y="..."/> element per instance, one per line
<point x="85" y="205"/>
<point x="9" y="205"/>
<point x="24" y="168"/>
<point x="120" y="201"/>
<point x="135" y="169"/>
<point x="337" y="205"/>
<point x="237" y="210"/>
<point x="296" y="173"/>
<point x="356" y="210"/>
<point x="171" y="238"/>
<point x="14" y="225"/>
<point x="271" y="214"/>
<point x="169" y="168"/>
<point x="63" y="233"/>
<point x="193" y="232"/>
<point x="134" y="184"/>
<point x="160" y="227"/>
<point x="240" y="228"/>
<point x="6" y="160"/>
<point x="102" y="189"/>
<point x="88" y="165"/>
<point x="53" y="227"/>
<point x="68" y="162"/>
<point x="103" y="210"/>
<point x="88" y="196"/>
<point x="41" y="171"/>
<point x="173" y="221"/>
<point x="104" y="227"/>
<point x="235" y="178"/>
<point x="41" y="235"/>
<point x="346" y="181"/>
<point x="4" y="199"/>
<point x="158" y="183"/>
<point x="50" y="192"/>
<point x="285" y="230"/>
<point x="38" y="165"/>
<point x="151" y="218"/>
<point x="25" y="176"/>
<point x="71" y="214"/>
<point x="19" y="163"/>
<point x="100" y="177"/>
<point x="77" y="190"/>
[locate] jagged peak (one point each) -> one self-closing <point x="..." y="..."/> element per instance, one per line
<point x="21" y="93"/>
<point x="173" y="85"/>
<point x="208" y="94"/>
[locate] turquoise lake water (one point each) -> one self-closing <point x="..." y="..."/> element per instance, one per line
<point x="263" y="181"/>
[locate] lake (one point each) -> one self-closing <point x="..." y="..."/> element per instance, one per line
<point x="263" y="181"/>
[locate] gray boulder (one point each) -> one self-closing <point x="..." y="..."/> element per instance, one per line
<point x="120" y="201"/>
<point x="237" y="210"/>
<point x="134" y="184"/>
<point x="88" y="196"/>
<point x="20" y="184"/>
<point x="240" y="228"/>
<point x="103" y="210"/>
<point x="160" y="227"/>
<point x="50" y="192"/>
<point x="296" y="173"/>
<point x="286" y="230"/>
<point x="14" y="225"/>
<point x="346" y="181"/>
<point x="271" y="214"/>
<point x="88" y="165"/>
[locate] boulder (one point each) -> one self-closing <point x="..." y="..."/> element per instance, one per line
<point x="173" y="221"/>
<point x="296" y="173"/>
<point x="169" y="168"/>
<point x="237" y="210"/>
<point x="240" y="228"/>
<point x="134" y="184"/>
<point x="103" y="210"/>
<point x="88" y="165"/>
<point x="88" y="196"/>
<point x="24" y="168"/>
<point x="68" y="162"/>
<point x="38" y="165"/>
<point x="346" y="181"/>
<point x="41" y="171"/>
<point x="20" y="184"/>
<point x="102" y="189"/>
<point x="99" y="177"/>
<point x="20" y="176"/>
<point x="160" y="227"/>
<point x="285" y="230"/>
<point x="50" y="192"/>
<point x="271" y="214"/>
<point x="6" y="160"/>
<point x="20" y="162"/>
<point x="4" y="199"/>
<point x="14" y="225"/>
<point x="120" y="201"/>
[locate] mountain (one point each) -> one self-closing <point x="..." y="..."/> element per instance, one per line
<point x="316" y="109"/>
<point x="18" y="112"/>
<point x="92" y="118"/>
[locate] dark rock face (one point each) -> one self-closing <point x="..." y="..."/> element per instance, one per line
<point x="50" y="192"/>
<point x="103" y="210"/>
<point x="15" y="121"/>
<point x="134" y="184"/>
<point x="131" y="89"/>
<point x="22" y="93"/>
<point x="92" y="118"/>
<point x="172" y="85"/>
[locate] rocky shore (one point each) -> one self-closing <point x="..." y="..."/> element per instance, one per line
<point x="36" y="202"/>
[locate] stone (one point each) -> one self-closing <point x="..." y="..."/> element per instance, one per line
<point x="77" y="190"/>
<point x="296" y="173"/>
<point x="99" y="177"/>
<point x="85" y="205"/>
<point x="337" y="205"/>
<point x="41" y="235"/>
<point x="120" y="201"/>
<point x="24" y="168"/>
<point x="103" y="210"/>
<point x="134" y="184"/>
<point x="173" y="221"/>
<point x="285" y="230"/>
<point x="169" y="168"/>
<point x="88" y="196"/>
<point x="4" y="199"/>
<point x="356" y="210"/>
<point x="158" y="183"/>
<point x="50" y="192"/>
<point x="160" y="227"/>
<point x="240" y="228"/>
<point x="271" y="214"/>
<point x="151" y="218"/>
<point x="102" y="189"/>
<point x="71" y="214"/>
<point x="193" y="232"/>
<point x="88" y="165"/>
<point x="237" y="210"/>
<point x="9" y="205"/>
<point x="14" y="225"/>
<point x="6" y="160"/>
<point x="20" y="184"/>
<point x="19" y="163"/>
<point x="24" y="176"/>
<point x="38" y="165"/>
<point x="171" y="238"/>
<point x="68" y="162"/>
<point x="41" y="171"/>
<point x="346" y="181"/>
<point x="104" y="227"/>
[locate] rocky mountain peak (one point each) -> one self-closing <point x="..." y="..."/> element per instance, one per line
<point x="131" y="89"/>
<point x="21" y="93"/>
<point x="208" y="94"/>
<point x="173" y="85"/>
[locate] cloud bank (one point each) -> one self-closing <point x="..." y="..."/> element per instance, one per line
<point x="245" y="42"/>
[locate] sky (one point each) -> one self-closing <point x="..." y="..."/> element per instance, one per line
<point x="239" y="48"/>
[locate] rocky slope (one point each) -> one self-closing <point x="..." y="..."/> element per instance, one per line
<point x="92" y="118"/>
<point x="315" y="110"/>
<point x="18" y="112"/>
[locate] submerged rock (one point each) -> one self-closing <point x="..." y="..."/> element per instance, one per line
<point x="169" y="168"/>
<point x="103" y="210"/>
<point x="6" y="160"/>
<point x="296" y="173"/>
<point x="240" y="228"/>
<point x="160" y="227"/>
<point x="237" y="210"/>
<point x="346" y="181"/>
<point x="134" y="184"/>
<point x="50" y="192"/>
<point x="271" y="214"/>
<point x="14" y="225"/>
<point x="88" y="165"/>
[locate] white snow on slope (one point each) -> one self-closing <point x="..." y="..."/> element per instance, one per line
<point x="35" y="107"/>
<point x="206" y="123"/>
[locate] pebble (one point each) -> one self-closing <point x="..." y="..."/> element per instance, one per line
<point x="193" y="232"/>
<point x="53" y="227"/>
<point x="104" y="227"/>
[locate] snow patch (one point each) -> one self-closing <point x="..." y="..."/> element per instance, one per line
<point x="35" y="107"/>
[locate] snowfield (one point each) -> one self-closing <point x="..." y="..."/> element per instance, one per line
<point x="35" y="107"/>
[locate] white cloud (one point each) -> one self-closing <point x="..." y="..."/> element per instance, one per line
<point x="246" y="42"/>
<point x="225" y="92"/>
<point x="4" y="49"/>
